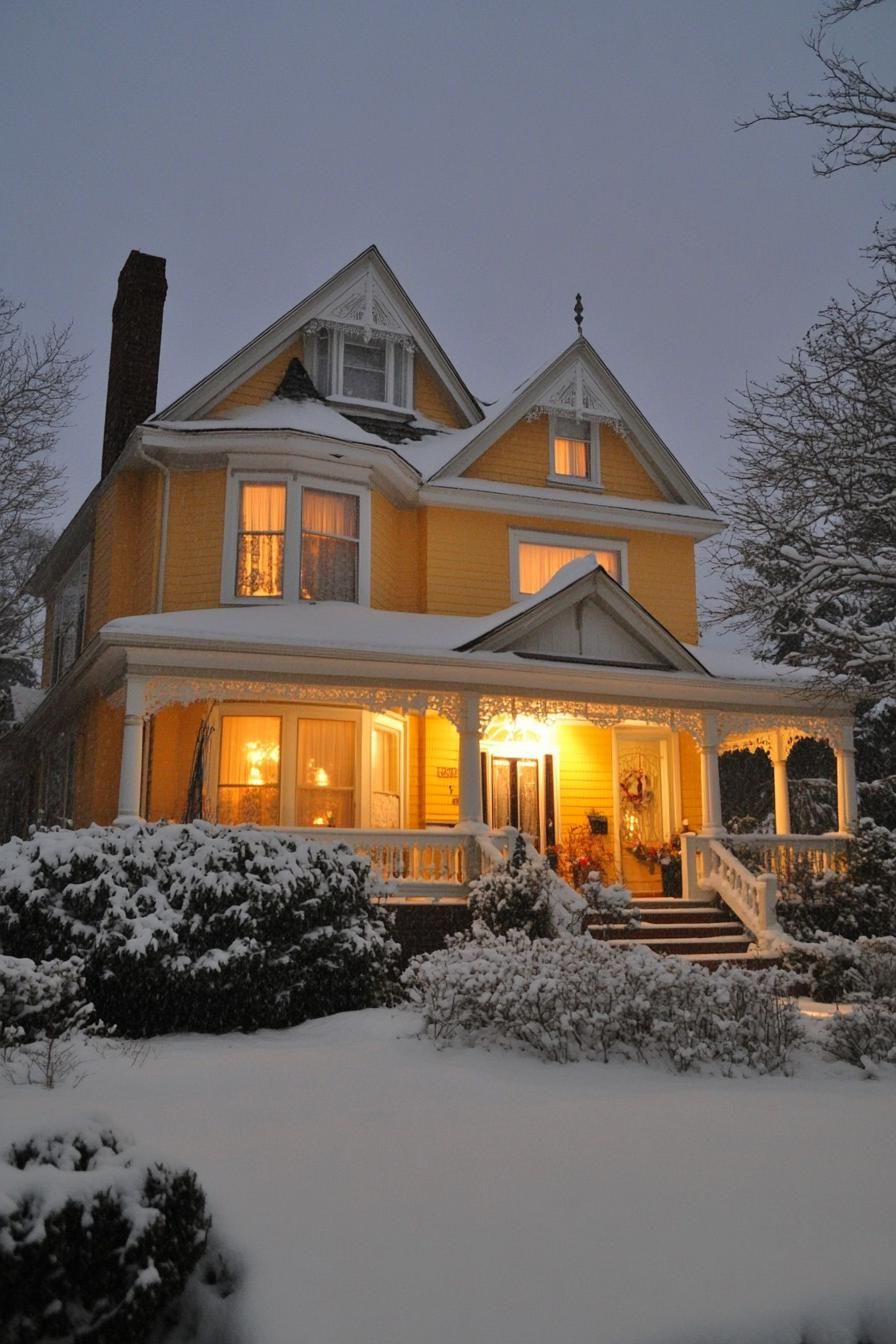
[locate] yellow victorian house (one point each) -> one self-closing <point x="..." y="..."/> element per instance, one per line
<point x="328" y="588"/>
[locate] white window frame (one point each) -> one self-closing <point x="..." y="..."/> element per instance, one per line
<point x="396" y="350"/>
<point x="74" y="585"/>
<point x="518" y="535"/>
<point x="556" y="426"/>
<point x="292" y="545"/>
<point x="289" y="715"/>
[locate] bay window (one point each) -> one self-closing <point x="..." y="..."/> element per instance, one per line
<point x="535" y="557"/>
<point x="295" y="539"/>
<point x="325" y="793"/>
<point x="249" y="770"/>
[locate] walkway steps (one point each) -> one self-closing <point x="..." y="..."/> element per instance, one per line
<point x="708" y="934"/>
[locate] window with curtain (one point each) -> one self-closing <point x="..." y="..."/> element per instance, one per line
<point x="249" y="770"/>
<point x="385" y="777"/>
<point x="573" y="448"/>
<point x="261" y="540"/>
<point x="539" y="562"/>
<point x="330" y="543"/>
<point x="325" y="787"/>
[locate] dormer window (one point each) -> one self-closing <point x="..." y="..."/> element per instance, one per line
<point x="347" y="367"/>
<point x="575" y="451"/>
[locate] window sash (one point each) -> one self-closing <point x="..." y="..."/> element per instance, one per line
<point x="539" y="561"/>
<point x="325" y="772"/>
<point x="572" y="457"/>
<point x="261" y="539"/>
<point x="330" y="546"/>
<point x="249" y="769"/>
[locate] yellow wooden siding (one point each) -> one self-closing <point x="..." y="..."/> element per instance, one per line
<point x="395" y="578"/>
<point x="431" y="400"/>
<point x="124" y="555"/>
<point x="172" y="741"/>
<point x="691" y="797"/>
<point x="440" y="791"/>
<point x="467" y="565"/>
<point x="521" y="456"/>
<point x="97" y="762"/>
<point x="585" y="756"/>
<point x="195" y="540"/>
<point x="259" y="386"/>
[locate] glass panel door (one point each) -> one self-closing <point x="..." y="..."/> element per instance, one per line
<point x="385" y="777"/>
<point x="528" y="818"/>
<point x="515" y="799"/>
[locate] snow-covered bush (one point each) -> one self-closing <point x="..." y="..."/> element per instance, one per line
<point x="609" y="906"/>
<point x="837" y="970"/>
<point x="95" y="1243"/>
<point x="199" y="928"/>
<point x="866" y="1032"/>
<point x="574" y="998"/>
<point x="43" y="1011"/>
<point x="858" y="902"/>
<point x="515" y="894"/>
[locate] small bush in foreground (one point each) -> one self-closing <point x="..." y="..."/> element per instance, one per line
<point x="858" y="902"/>
<point x="574" y="998"/>
<point x="94" y="1244"/>
<point x="866" y="1032"/>
<point x="199" y="928"/>
<point x="515" y="894"/>
<point x="609" y="905"/>
<point x="43" y="1009"/>
<point x="837" y="970"/>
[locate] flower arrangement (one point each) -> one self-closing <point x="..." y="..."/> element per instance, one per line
<point x="636" y="790"/>
<point x="667" y="853"/>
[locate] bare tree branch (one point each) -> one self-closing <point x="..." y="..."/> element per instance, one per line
<point x="856" y="110"/>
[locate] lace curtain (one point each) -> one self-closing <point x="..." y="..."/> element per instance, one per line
<point x="249" y="770"/>
<point x="329" y="546"/>
<point x="261" y="541"/>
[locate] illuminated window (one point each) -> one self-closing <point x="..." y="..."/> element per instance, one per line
<point x="261" y="541"/>
<point x="325" y="792"/>
<point x="330" y="537"/>
<point x="536" y="557"/>
<point x="344" y="365"/>
<point x="385" y="777"/>
<point x="575" y="450"/>
<point x="249" y="770"/>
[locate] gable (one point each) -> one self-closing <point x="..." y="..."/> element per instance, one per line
<point x="584" y="616"/>
<point x="578" y="386"/>
<point x="521" y="456"/>
<point x="364" y="298"/>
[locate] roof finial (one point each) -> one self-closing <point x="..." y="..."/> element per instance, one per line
<point x="579" y="313"/>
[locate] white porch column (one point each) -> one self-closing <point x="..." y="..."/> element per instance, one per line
<point x="847" y="794"/>
<point x="710" y="790"/>
<point x="782" y="789"/>
<point x="469" y="775"/>
<point x="131" y="779"/>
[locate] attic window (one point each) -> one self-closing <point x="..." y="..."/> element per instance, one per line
<point x="345" y="366"/>
<point x="575" y="451"/>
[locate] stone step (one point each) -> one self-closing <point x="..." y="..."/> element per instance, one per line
<point x="694" y="948"/>
<point x="694" y="914"/>
<point x="649" y="932"/>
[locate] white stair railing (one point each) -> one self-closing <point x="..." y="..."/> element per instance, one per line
<point x="708" y="865"/>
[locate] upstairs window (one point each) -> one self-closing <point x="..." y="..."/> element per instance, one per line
<point x="262" y="541"/>
<point x="69" y="617"/>
<point x="330" y="538"/>
<point x="575" y="451"/>
<point x="535" y="557"/>
<point x="294" y="539"/>
<point x="346" y="367"/>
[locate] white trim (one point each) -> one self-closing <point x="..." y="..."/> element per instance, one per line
<point x="295" y="484"/>
<point x="556" y="425"/>
<point x="517" y="535"/>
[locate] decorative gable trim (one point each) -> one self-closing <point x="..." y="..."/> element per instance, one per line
<point x="365" y="292"/>
<point x="579" y="384"/>
<point x="597" y="597"/>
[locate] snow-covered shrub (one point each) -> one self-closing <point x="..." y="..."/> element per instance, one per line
<point x="609" y="906"/>
<point x="43" y="1010"/>
<point x="837" y="970"/>
<point x="515" y="894"/>
<point x="866" y="1032"/>
<point x="858" y="902"/>
<point x="95" y="1243"/>
<point x="200" y="928"/>
<point x="574" y="998"/>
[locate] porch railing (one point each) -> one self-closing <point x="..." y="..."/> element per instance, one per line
<point x="430" y="863"/>
<point x="789" y="855"/>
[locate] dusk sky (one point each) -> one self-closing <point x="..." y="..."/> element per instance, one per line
<point x="502" y="156"/>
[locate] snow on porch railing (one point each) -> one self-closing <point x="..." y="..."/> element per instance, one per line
<point x="787" y="855"/>
<point x="709" y="866"/>
<point x="431" y="861"/>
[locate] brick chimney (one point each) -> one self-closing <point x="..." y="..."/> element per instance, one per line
<point x="134" y="355"/>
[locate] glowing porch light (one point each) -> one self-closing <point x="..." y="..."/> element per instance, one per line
<point x="517" y="730"/>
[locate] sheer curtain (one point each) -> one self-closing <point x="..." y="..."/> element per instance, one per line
<point x="329" y="546"/>
<point x="325" y="795"/>
<point x="259" y="565"/>
<point x="539" y="563"/>
<point x="249" y="770"/>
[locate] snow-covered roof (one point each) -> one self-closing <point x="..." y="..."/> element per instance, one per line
<point x="308" y="417"/>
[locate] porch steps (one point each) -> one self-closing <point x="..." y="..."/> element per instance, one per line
<point x="708" y="934"/>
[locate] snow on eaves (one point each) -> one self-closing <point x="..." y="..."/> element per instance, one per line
<point x="309" y="417"/>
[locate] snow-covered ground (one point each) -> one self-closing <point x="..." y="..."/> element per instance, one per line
<point x="381" y="1192"/>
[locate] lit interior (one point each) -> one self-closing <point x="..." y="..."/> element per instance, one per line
<point x="539" y="562"/>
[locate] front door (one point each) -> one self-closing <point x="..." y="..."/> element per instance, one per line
<point x="514" y="799"/>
